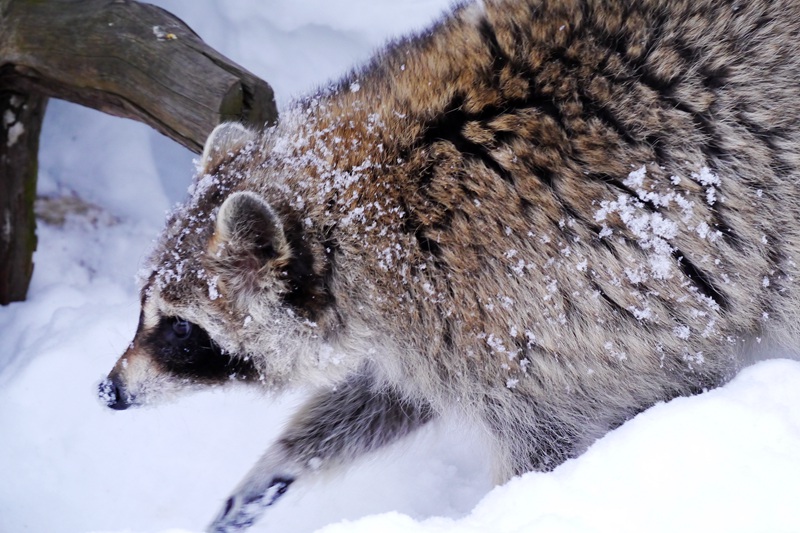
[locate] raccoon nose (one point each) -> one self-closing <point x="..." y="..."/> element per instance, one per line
<point x="111" y="393"/>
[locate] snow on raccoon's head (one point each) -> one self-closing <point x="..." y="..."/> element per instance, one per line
<point x="232" y="293"/>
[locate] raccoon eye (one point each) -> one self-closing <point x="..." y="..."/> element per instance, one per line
<point x="182" y="328"/>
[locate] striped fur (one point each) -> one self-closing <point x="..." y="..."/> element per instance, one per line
<point x="542" y="215"/>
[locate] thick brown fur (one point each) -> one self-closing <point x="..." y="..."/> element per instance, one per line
<point x="543" y="215"/>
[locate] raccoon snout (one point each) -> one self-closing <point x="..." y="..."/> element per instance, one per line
<point x="111" y="393"/>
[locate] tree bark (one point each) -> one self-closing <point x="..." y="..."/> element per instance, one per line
<point x="122" y="57"/>
<point x="21" y="118"/>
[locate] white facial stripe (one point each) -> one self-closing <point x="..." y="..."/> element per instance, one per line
<point x="150" y="313"/>
<point x="137" y="368"/>
<point x="142" y="380"/>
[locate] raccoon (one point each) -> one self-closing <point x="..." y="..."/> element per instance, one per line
<point x="543" y="216"/>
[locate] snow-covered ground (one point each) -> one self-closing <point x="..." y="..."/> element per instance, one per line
<point x="727" y="460"/>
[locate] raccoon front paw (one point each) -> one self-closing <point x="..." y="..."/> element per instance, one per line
<point x="241" y="511"/>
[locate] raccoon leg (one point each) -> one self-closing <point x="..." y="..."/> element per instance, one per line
<point x="540" y="438"/>
<point x="545" y="436"/>
<point x="334" y="427"/>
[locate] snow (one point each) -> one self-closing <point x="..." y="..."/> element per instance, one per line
<point x="726" y="460"/>
<point x="15" y="129"/>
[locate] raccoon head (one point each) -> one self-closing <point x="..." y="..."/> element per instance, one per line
<point x="168" y="354"/>
<point x="236" y="290"/>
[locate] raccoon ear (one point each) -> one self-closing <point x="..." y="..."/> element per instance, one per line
<point x="246" y="224"/>
<point x="225" y="139"/>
